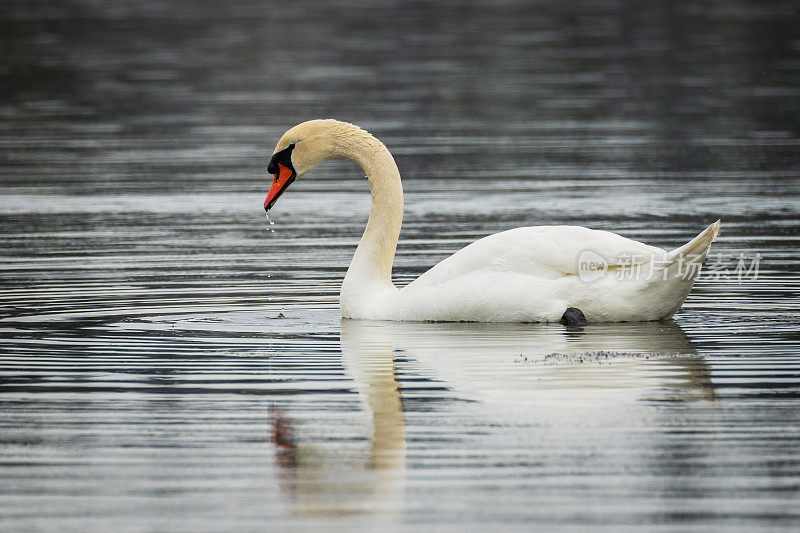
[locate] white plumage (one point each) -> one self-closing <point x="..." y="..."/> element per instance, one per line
<point x="530" y="274"/>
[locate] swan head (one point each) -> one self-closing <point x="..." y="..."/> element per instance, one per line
<point x="298" y="152"/>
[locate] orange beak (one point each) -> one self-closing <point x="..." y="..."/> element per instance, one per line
<point x="283" y="178"/>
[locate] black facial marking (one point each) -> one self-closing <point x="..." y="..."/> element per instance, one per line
<point x="284" y="157"/>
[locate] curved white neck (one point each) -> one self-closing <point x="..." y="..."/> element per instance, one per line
<point x="371" y="268"/>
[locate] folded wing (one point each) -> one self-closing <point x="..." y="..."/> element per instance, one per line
<point x="547" y="252"/>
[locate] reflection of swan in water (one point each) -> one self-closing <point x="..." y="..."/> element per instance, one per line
<point x="328" y="481"/>
<point x="505" y="368"/>
<point x="521" y="362"/>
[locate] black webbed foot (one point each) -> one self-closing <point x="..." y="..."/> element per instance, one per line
<point x="573" y="317"/>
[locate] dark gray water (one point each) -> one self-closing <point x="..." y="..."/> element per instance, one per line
<point x="167" y="363"/>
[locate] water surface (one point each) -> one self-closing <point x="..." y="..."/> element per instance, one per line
<point x="167" y="363"/>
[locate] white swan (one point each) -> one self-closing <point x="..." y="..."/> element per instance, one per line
<point x="532" y="274"/>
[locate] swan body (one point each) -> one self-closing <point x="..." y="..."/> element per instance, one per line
<point x="529" y="274"/>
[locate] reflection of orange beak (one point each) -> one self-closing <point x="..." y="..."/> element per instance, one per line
<point x="283" y="178"/>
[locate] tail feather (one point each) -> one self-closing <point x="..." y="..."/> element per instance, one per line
<point x="681" y="267"/>
<point x="696" y="249"/>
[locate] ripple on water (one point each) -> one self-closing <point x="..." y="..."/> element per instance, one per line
<point x="166" y="364"/>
